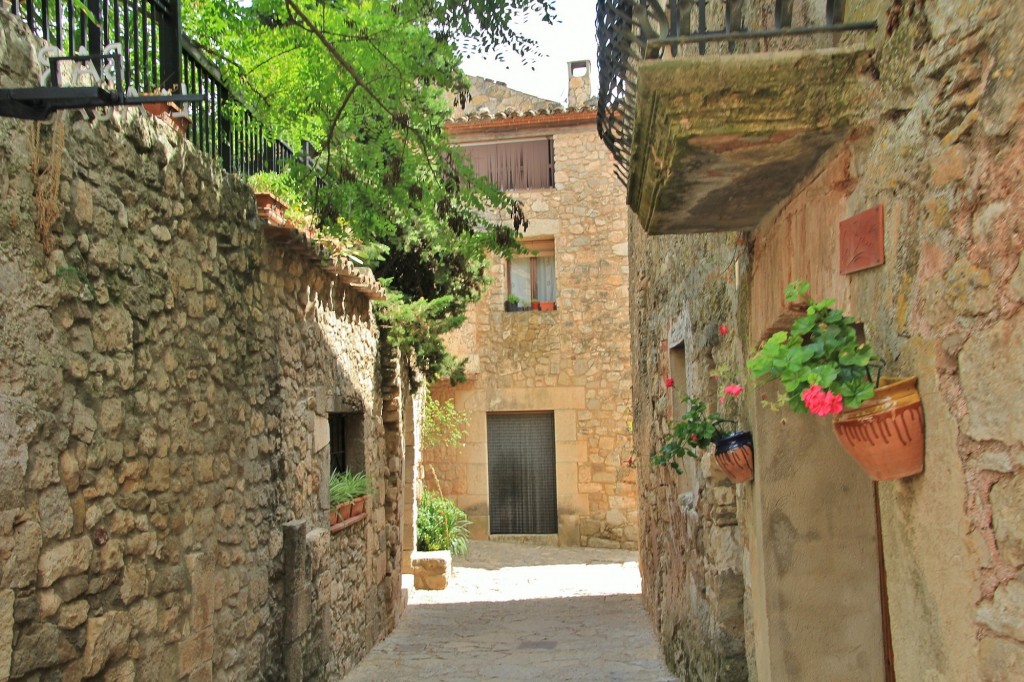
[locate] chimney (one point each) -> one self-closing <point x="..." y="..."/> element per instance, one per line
<point x="579" y="84"/>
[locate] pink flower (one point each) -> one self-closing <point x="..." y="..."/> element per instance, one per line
<point x="669" y="382"/>
<point x="693" y="437"/>
<point x="723" y="330"/>
<point x="820" y="402"/>
<point x="733" y="390"/>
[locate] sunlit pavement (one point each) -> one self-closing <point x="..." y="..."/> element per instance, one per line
<point x="519" y="612"/>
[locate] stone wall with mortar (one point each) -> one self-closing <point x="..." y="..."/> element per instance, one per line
<point x="941" y="151"/>
<point x="164" y="389"/>
<point x="573" y="361"/>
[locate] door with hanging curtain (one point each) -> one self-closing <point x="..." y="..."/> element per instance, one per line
<point x="521" y="473"/>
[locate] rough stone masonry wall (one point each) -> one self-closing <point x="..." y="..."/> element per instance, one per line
<point x="943" y="154"/>
<point x="574" y="359"/>
<point x="691" y="550"/>
<point x="164" y="382"/>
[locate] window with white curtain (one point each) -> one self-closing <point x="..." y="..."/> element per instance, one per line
<point x="531" y="276"/>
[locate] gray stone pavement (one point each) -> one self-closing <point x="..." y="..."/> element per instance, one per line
<point x="522" y="612"/>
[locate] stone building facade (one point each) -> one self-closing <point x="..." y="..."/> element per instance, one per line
<point x="567" y="367"/>
<point x="811" y="572"/>
<point x="170" y="369"/>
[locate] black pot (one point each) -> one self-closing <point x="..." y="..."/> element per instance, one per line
<point x="734" y="455"/>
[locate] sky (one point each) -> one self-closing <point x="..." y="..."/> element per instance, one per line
<point x="571" y="39"/>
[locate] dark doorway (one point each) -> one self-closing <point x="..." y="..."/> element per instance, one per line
<point x="521" y="473"/>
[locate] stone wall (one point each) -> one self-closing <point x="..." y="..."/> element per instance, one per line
<point x="572" y="361"/>
<point x="941" y="151"/>
<point x="164" y="390"/>
<point x="691" y="555"/>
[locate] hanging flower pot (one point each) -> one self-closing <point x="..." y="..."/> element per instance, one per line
<point x="885" y="434"/>
<point x="734" y="455"/>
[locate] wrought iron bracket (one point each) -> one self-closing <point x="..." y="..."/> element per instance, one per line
<point x="36" y="104"/>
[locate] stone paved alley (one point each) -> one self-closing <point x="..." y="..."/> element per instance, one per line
<point x="518" y="612"/>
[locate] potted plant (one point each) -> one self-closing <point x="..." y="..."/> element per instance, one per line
<point x="824" y="367"/>
<point x="535" y="304"/>
<point x="547" y="306"/>
<point x="512" y="303"/>
<point x="699" y="428"/>
<point x="347" y="490"/>
<point x="273" y="195"/>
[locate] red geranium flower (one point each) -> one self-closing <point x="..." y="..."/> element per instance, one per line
<point x="723" y="330"/>
<point x="821" y="402"/>
<point x="669" y="382"/>
<point x="733" y="390"/>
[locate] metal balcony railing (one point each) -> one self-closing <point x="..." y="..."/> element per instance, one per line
<point x="157" y="57"/>
<point x="631" y="31"/>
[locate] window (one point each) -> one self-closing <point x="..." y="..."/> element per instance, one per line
<point x="524" y="164"/>
<point x="531" y="277"/>
<point x="346" y="441"/>
<point x="677" y="372"/>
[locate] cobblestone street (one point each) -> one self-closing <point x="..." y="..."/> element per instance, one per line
<point x="518" y="612"/>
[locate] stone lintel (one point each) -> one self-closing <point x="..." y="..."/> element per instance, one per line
<point x="721" y="140"/>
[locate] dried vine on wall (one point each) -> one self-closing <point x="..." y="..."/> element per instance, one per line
<point x="45" y="169"/>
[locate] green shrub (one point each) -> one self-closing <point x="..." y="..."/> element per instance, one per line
<point x="441" y="525"/>
<point x="347" y="486"/>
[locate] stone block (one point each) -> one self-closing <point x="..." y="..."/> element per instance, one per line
<point x="991" y="358"/>
<point x="68" y="558"/>
<point x="194" y="651"/>
<point x="431" y="570"/>
<point x="1007" y="497"/>
<point x="6" y="632"/>
<point x="1004" y="615"/>
<point x="1000" y="660"/>
<point x="20" y="568"/>
<point x="40" y="645"/>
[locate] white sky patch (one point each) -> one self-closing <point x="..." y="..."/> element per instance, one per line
<point x="570" y="39"/>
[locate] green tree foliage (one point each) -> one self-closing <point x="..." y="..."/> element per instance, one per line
<point x="371" y="83"/>
<point x="443" y="423"/>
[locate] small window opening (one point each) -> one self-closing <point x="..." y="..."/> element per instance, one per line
<point x="677" y="372"/>
<point x="346" y="445"/>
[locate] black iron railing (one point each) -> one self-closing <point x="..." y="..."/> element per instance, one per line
<point x="157" y="57"/>
<point x="631" y="31"/>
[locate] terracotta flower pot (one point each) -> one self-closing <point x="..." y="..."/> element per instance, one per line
<point x="171" y="113"/>
<point x="886" y="433"/>
<point x="734" y="455"/>
<point x="345" y="510"/>
<point x="547" y="305"/>
<point x="334" y="517"/>
<point x="358" y="505"/>
<point x="271" y="209"/>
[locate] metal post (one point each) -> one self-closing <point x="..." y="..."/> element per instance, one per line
<point x="94" y="32"/>
<point x="169" y="13"/>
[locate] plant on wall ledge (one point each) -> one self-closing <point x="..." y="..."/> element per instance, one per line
<point x="347" y="492"/>
<point x="824" y="367"/>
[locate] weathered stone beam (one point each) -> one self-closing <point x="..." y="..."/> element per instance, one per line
<point x="720" y="140"/>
